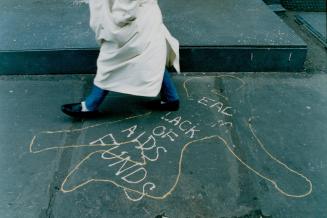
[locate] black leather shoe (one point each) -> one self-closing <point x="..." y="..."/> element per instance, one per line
<point x="75" y="110"/>
<point x="164" y="106"/>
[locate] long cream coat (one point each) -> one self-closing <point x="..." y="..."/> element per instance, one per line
<point x="135" y="46"/>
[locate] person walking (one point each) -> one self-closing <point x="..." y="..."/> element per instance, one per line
<point x="136" y="49"/>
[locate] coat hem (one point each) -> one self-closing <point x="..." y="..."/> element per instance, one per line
<point x="126" y="91"/>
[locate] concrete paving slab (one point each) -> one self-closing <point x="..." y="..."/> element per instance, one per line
<point x="43" y="37"/>
<point x="242" y="145"/>
<point x="23" y="112"/>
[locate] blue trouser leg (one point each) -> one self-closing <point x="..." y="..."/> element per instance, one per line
<point x="95" y="98"/>
<point x="168" y="90"/>
<point x="168" y="93"/>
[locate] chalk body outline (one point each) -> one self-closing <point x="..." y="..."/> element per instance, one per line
<point x="184" y="148"/>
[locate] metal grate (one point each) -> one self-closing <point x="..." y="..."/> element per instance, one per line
<point x="305" y="5"/>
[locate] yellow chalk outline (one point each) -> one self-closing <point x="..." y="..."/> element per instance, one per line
<point x="78" y="130"/>
<point x="273" y="182"/>
<point x="263" y="147"/>
<point x="129" y="189"/>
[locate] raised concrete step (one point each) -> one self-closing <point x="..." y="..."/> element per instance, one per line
<point x="315" y="23"/>
<point x="44" y="37"/>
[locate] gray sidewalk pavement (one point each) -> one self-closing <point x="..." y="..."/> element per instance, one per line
<point x="241" y="145"/>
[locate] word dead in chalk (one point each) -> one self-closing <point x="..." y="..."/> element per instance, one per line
<point x="211" y="103"/>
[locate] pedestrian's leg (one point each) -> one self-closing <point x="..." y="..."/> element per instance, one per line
<point x="87" y="108"/>
<point x="168" y="91"/>
<point x="95" y="98"/>
<point x="169" y="98"/>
